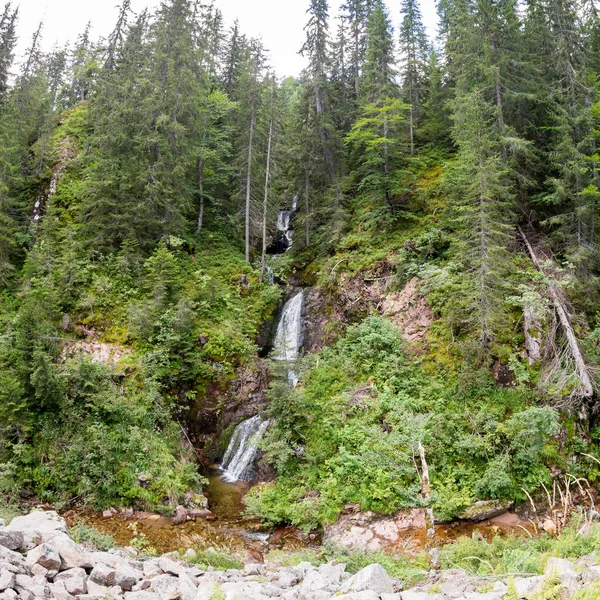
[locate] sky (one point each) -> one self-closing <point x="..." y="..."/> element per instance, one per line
<point x="279" y="23"/>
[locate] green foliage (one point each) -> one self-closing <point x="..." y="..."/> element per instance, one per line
<point x="517" y="554"/>
<point x="349" y="432"/>
<point x="591" y="592"/>
<point x="82" y="533"/>
<point x="220" y="561"/>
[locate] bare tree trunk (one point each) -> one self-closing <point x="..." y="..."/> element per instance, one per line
<point x="429" y="518"/>
<point x="263" y="260"/>
<point x="386" y="160"/>
<point x="412" y="131"/>
<point x="248" y="183"/>
<point x="200" y="187"/>
<point x="587" y="386"/>
<point x="306" y="192"/>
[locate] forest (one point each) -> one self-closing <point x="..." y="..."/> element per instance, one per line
<point x="142" y="266"/>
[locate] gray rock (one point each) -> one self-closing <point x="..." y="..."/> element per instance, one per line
<point x="486" y="596"/>
<point x="170" y="566"/>
<point x="7" y="580"/>
<point x="289" y="577"/>
<point x="110" y="576"/>
<point x="166" y="586"/>
<point x="565" y="570"/>
<point x="46" y="556"/>
<point x="420" y="594"/>
<point x="151" y="568"/>
<point x="373" y="577"/>
<point x="74" y="581"/>
<point x="9" y="595"/>
<point x="13" y="558"/>
<point x="453" y="589"/>
<point x="590" y="574"/>
<point x="43" y="521"/>
<point x="26" y="586"/>
<point x="71" y="554"/>
<point x="96" y="590"/>
<point x="364" y="595"/>
<point x="187" y="587"/>
<point x="207" y="590"/>
<point x="60" y="592"/>
<point x="327" y="578"/>
<point x="528" y="585"/>
<point x="484" y="510"/>
<point x="141" y="596"/>
<point x="254" y="569"/>
<point x="395" y="596"/>
<point x="13" y="540"/>
<point x="39" y="571"/>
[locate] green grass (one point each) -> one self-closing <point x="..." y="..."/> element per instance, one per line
<point x="85" y="533"/>
<point x="218" y="560"/>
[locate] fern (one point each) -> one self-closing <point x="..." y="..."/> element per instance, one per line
<point x="550" y="588"/>
<point x="511" y="592"/>
<point x="591" y="592"/>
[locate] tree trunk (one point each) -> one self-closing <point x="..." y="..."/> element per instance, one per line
<point x="248" y="184"/>
<point x="386" y="160"/>
<point x="306" y="192"/>
<point x="200" y="188"/>
<point x="587" y="387"/>
<point x="263" y="260"/>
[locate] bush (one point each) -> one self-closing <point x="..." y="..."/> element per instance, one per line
<point x="82" y="533"/>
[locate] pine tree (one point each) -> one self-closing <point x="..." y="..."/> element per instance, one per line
<point x="8" y="40"/>
<point x="414" y="55"/>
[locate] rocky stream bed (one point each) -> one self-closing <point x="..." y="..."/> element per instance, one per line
<point x="39" y="560"/>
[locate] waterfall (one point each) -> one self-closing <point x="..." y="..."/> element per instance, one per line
<point x="284" y="227"/>
<point x="288" y="338"/>
<point x="238" y="461"/>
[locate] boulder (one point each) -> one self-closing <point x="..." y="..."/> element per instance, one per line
<point x="482" y="510"/>
<point x="527" y="586"/>
<point x="181" y="515"/>
<point x="13" y="540"/>
<point x="170" y="566"/>
<point x="98" y="591"/>
<point x="45" y="556"/>
<point x="565" y="570"/>
<point x="289" y="577"/>
<point x="143" y="596"/>
<point x="71" y="554"/>
<point x="43" y="521"/>
<point x="327" y="578"/>
<point x="110" y="576"/>
<point x="26" y="586"/>
<point x="373" y="577"/>
<point x="166" y="586"/>
<point x="60" y="592"/>
<point x="254" y="569"/>
<point x="590" y="575"/>
<point x="9" y="595"/>
<point x="74" y="581"/>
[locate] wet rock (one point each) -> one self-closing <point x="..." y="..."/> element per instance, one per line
<point x="181" y="515"/>
<point x="13" y="540"/>
<point x="373" y="577"/>
<point x="74" y="581"/>
<point x="483" y="510"/>
<point x="45" y="556"/>
<point x="196" y="513"/>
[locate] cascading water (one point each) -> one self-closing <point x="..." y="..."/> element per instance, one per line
<point x="288" y="338"/>
<point x="238" y="462"/>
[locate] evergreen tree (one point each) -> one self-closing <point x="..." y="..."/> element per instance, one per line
<point x="413" y="52"/>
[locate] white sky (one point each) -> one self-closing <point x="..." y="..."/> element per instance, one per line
<point x="280" y="23"/>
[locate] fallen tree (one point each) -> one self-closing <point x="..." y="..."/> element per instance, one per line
<point x="586" y="387"/>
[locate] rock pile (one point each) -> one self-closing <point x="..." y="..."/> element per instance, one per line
<point x="38" y="560"/>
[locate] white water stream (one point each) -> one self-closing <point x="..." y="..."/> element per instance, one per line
<point x="238" y="461"/>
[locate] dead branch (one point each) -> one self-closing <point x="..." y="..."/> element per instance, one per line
<point x="587" y="387"/>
